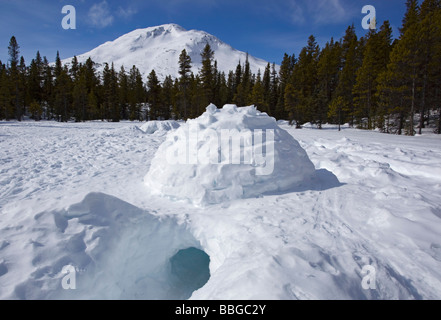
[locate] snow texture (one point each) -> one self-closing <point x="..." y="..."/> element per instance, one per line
<point x="73" y="194"/>
<point x="227" y="154"/>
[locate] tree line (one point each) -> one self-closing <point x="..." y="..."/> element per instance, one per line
<point x="372" y="82"/>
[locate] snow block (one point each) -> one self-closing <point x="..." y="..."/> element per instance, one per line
<point x="227" y="154"/>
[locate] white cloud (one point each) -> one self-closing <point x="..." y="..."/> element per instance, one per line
<point x="100" y="16"/>
<point x="320" y="11"/>
<point x="327" y="11"/>
<point x="126" y="13"/>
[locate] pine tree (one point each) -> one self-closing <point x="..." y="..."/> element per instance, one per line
<point x="197" y="97"/>
<point x="6" y="105"/>
<point x="328" y="68"/>
<point x="154" y="96"/>
<point x="137" y="94"/>
<point x="304" y="85"/>
<point x="74" y="69"/>
<point x="230" y="86"/>
<point x="429" y="38"/>
<point x="257" y="94"/>
<point x="223" y="95"/>
<point x="274" y="91"/>
<point x="237" y="78"/>
<point x="184" y="65"/>
<point x="15" y="78"/>
<point x="47" y="89"/>
<point x="350" y="63"/>
<point x="207" y="75"/>
<point x="63" y="95"/>
<point x="291" y="101"/>
<point x="285" y="75"/>
<point x="93" y="106"/>
<point x="184" y="73"/>
<point x="58" y="66"/>
<point x="167" y="95"/>
<point x="375" y="59"/>
<point x="123" y="93"/>
<point x="21" y="97"/>
<point x="80" y="97"/>
<point x="247" y="81"/>
<point x="411" y="16"/>
<point x="266" y="87"/>
<point x="110" y="97"/>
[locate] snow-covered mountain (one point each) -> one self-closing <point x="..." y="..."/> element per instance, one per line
<point x="159" y="48"/>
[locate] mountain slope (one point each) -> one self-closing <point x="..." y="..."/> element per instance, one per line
<point x="159" y="48"/>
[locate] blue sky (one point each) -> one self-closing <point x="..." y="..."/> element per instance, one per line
<point x="266" y="29"/>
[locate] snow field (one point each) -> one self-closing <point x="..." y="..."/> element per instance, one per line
<point x="74" y="194"/>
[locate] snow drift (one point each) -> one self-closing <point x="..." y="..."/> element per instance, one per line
<point x="160" y="127"/>
<point x="226" y="154"/>
<point x="115" y="251"/>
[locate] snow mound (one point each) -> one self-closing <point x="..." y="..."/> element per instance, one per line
<point x="105" y="248"/>
<point x="227" y="154"/>
<point x="152" y="127"/>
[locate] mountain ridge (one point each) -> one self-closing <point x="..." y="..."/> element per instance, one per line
<point x="158" y="48"/>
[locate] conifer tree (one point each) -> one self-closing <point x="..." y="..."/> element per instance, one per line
<point x="266" y="87"/>
<point x="15" y="77"/>
<point x="137" y="94"/>
<point x="375" y="59"/>
<point x="328" y="68"/>
<point x="257" y="94"/>
<point x="230" y="86"/>
<point x="184" y="74"/>
<point x="274" y="91"/>
<point x="430" y="34"/>
<point x="154" y="96"/>
<point x="285" y="75"/>
<point x="123" y="93"/>
<point x="6" y="106"/>
<point x="34" y="81"/>
<point x="48" y="88"/>
<point x="80" y="97"/>
<point x="63" y="95"/>
<point x="350" y="62"/>
<point x="207" y="75"/>
<point x="304" y="85"/>
<point x="167" y="98"/>
<point x="110" y="97"/>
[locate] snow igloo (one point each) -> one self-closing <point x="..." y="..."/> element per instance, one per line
<point x="228" y="154"/>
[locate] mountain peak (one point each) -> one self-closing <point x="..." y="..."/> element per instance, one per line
<point x="158" y="48"/>
<point x="164" y="29"/>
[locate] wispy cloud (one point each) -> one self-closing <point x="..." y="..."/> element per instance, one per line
<point x="126" y="13"/>
<point x="320" y="12"/>
<point x="100" y="16"/>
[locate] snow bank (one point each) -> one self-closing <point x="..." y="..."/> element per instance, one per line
<point x="152" y="127"/>
<point x="228" y="154"/>
<point x="105" y="248"/>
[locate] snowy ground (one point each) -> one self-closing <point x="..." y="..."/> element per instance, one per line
<point x="73" y="194"/>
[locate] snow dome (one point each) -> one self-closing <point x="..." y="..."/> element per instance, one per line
<point x="227" y="154"/>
